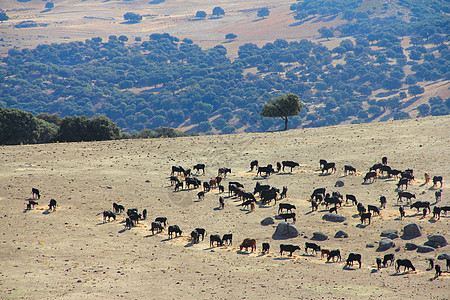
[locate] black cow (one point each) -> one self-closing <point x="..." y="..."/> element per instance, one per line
<point x="438" y="270"/>
<point x="388" y="258"/>
<point x="192" y="181"/>
<point x="403" y="182"/>
<point x="174" y="229"/>
<point x="373" y="209"/>
<point x="108" y="214"/>
<point x="248" y="196"/>
<point x="288" y="216"/>
<point x="385" y="168"/>
<point x="351" y="198"/>
<point x="361" y="209"/>
<point x="267" y="196"/>
<point x="52" y="205"/>
<point x="221" y="202"/>
<point x="365" y="216"/>
<point x="199" y="167"/>
<point x="352" y="257"/>
<point x="319" y="191"/>
<point x="260" y="187"/>
<point x="315" y="248"/>
<point x="278" y="167"/>
<point x="437" y="212"/>
<point x="408" y="175"/>
<point x="128" y="223"/>
<point x="206" y="186"/>
<point x="201" y="232"/>
<point x="437" y="179"/>
<point x="349" y="169"/>
<point x="178" y="185"/>
<point x="402" y="212"/>
<point x="332" y="200"/>
<point x="438" y="195"/>
<point x="322" y="163"/>
<point x="383" y="201"/>
<point x="406" y="195"/>
<point x="253" y="164"/>
<point x="195" y="236"/>
<point x="394" y="173"/>
<point x="228" y="237"/>
<point x="290" y="164"/>
<point x="187" y="173"/>
<point x="445" y="209"/>
<point x="144" y="214"/>
<point x="268" y="170"/>
<point x="288" y="248"/>
<point x="177" y="169"/>
<point x="163" y="220"/>
<point x="370" y="175"/>
<point x="248" y="203"/>
<point x="333" y="254"/>
<point x="378" y="263"/>
<point x="421" y="204"/>
<point x="285" y="206"/>
<point x="221" y="188"/>
<point x="156" y="226"/>
<point x="35" y="193"/>
<point x="215" y="238"/>
<point x="329" y="166"/>
<point x="201" y="195"/>
<point x="223" y="172"/>
<point x="283" y="192"/>
<point x="375" y="167"/>
<point x="173" y="180"/>
<point x="405" y="263"/>
<point x="314" y="205"/>
<point x="134" y="216"/>
<point x="118" y="208"/>
<point x="32" y="203"/>
<point x="384" y="160"/>
<point x="333" y="209"/>
<point x="265" y="248"/>
<point x="337" y="195"/>
<point x="234" y="184"/>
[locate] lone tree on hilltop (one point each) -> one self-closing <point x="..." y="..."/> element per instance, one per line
<point x="132" y="17"/>
<point x="230" y="36"/>
<point x="282" y="107"/>
<point x="326" y="33"/>
<point x="200" y="14"/>
<point x="263" y="12"/>
<point x="218" y="11"/>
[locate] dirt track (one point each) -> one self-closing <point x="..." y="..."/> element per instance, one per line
<point x="70" y="253"/>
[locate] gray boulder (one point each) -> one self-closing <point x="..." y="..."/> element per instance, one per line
<point x="443" y="256"/>
<point x="390" y="233"/>
<point x="424" y="249"/>
<point x="341" y="234"/>
<point x="319" y="236"/>
<point x="333" y="217"/>
<point x="411" y="231"/>
<point x="267" y="221"/>
<point x="410" y="246"/>
<point x="339" y="183"/>
<point x="286" y="230"/>
<point x="385" y="244"/>
<point x="439" y="239"/>
<point x="435" y="245"/>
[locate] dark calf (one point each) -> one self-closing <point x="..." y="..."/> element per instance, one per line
<point x="373" y="209"/>
<point x="352" y="257"/>
<point x="215" y="238"/>
<point x="163" y="220"/>
<point x="334" y="254"/>
<point x="406" y="263"/>
<point x="366" y="216"/>
<point x="315" y="248"/>
<point x="201" y="232"/>
<point x="349" y="170"/>
<point x="286" y="206"/>
<point x="52" y="205"/>
<point x="174" y="229"/>
<point x="265" y="248"/>
<point x="253" y="164"/>
<point x="228" y="238"/>
<point x="437" y="179"/>
<point x="383" y="201"/>
<point x="290" y="164"/>
<point x="351" y="198"/>
<point x="388" y="258"/>
<point x="35" y="193"/>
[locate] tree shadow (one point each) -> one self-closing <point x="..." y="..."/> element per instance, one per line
<point x="156" y="1"/>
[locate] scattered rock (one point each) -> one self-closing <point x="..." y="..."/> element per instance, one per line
<point x="319" y="236"/>
<point x="390" y="233"/>
<point x="411" y="231"/>
<point x="410" y="246"/>
<point x="397" y="249"/>
<point x="339" y="183"/>
<point x="424" y="249"/>
<point x="443" y="256"/>
<point x="437" y="238"/>
<point x="385" y="244"/>
<point x="435" y="245"/>
<point x="341" y="234"/>
<point x="285" y="230"/>
<point x="267" y="221"/>
<point x="333" y="217"/>
<point x="370" y="245"/>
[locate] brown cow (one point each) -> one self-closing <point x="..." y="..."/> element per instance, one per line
<point x="248" y="243"/>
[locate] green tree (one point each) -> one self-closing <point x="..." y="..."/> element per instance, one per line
<point x="3" y="16"/>
<point x="282" y="107"/>
<point x="200" y="14"/>
<point x="415" y="90"/>
<point x="326" y="33"/>
<point x="218" y="11"/>
<point x="18" y="127"/>
<point x="230" y="36"/>
<point x="132" y="17"/>
<point x="263" y="12"/>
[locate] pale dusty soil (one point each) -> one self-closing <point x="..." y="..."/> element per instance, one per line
<point x="71" y="254"/>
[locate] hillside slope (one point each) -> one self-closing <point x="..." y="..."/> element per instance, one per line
<point x="71" y="253"/>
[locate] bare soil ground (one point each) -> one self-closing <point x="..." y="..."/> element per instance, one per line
<point x="70" y="253"/>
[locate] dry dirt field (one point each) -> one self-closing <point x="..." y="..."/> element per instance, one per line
<point x="70" y="253"/>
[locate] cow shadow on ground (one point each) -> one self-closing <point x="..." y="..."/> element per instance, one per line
<point x="366" y="183"/>
<point x="399" y="274"/>
<point x="217" y="208"/>
<point x="47" y="212"/>
<point x="362" y="225"/>
<point x="284" y="173"/>
<point x="190" y="244"/>
<point x="284" y="258"/>
<point x="123" y="230"/>
<point x="374" y="271"/>
<point x="349" y="268"/>
<point x="307" y="255"/>
<point x="243" y="252"/>
<point x="309" y="212"/>
<point x="325" y="174"/>
<point x="331" y="262"/>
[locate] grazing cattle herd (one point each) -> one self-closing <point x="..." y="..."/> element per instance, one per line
<point x="183" y="180"/>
